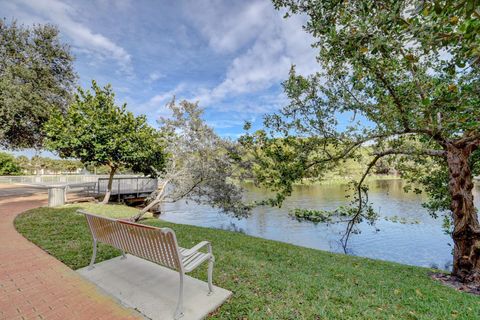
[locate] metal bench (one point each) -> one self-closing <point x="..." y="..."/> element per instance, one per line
<point x="158" y="245"/>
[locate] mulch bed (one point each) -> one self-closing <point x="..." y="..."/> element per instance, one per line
<point x="453" y="282"/>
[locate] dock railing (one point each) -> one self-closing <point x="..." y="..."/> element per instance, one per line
<point x="138" y="186"/>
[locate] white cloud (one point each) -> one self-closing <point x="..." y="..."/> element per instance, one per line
<point x="154" y="76"/>
<point x="229" y="55"/>
<point x="228" y="26"/>
<point x="81" y="36"/>
<point x="273" y="45"/>
<point x="159" y="101"/>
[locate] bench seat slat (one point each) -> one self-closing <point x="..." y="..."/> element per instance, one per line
<point x="196" y="259"/>
<point x="188" y="259"/>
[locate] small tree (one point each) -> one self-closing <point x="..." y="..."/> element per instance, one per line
<point x="36" y="79"/>
<point x="70" y="165"/>
<point x="410" y="69"/>
<point x="25" y="164"/>
<point x="8" y="165"/>
<point x="199" y="166"/>
<point x="98" y="132"/>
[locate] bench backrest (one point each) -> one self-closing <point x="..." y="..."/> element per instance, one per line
<point x="158" y="245"/>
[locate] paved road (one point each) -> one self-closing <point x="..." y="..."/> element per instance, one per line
<point x="9" y="190"/>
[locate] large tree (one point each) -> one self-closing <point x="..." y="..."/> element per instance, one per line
<point x="405" y="74"/>
<point x="36" y="79"/>
<point x="98" y="132"/>
<point x="199" y="166"/>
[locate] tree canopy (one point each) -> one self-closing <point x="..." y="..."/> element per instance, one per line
<point x="8" y="165"/>
<point x="199" y="166"/>
<point x="98" y="132"/>
<point x="409" y="88"/>
<point x="36" y="79"/>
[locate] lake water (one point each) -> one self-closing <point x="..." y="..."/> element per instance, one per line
<point x="421" y="242"/>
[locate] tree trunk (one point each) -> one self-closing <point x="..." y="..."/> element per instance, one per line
<point x="156" y="201"/>
<point x="109" y="186"/>
<point x="153" y="203"/>
<point x="466" y="232"/>
<point x="157" y="213"/>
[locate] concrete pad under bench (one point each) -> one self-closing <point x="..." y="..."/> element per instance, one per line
<point x="152" y="289"/>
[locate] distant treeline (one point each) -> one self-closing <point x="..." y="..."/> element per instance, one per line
<point x="343" y="170"/>
<point x="23" y="165"/>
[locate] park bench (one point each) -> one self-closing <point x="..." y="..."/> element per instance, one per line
<point x="158" y="245"/>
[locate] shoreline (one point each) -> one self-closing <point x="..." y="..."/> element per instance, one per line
<point x="271" y="279"/>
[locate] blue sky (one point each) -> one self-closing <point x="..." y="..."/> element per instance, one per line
<point x="231" y="56"/>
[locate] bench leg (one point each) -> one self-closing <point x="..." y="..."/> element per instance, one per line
<point x="94" y="255"/>
<point x="179" y="310"/>
<point x="210" y="275"/>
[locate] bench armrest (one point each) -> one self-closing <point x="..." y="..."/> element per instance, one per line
<point x="197" y="247"/>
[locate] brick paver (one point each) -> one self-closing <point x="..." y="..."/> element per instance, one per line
<point x="34" y="285"/>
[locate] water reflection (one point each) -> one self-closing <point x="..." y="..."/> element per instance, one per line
<point x="232" y="226"/>
<point x="423" y="243"/>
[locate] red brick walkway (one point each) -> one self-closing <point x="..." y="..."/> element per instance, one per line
<point x="34" y="285"/>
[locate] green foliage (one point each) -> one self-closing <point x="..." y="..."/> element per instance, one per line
<point x="36" y="79"/>
<point x="24" y="163"/>
<point x="200" y="167"/>
<point x="333" y="216"/>
<point x="452" y="23"/>
<point x="54" y="166"/>
<point x="405" y="75"/>
<point x="311" y="215"/>
<point x="402" y="220"/>
<point x="270" y="279"/>
<point x="8" y="165"/>
<point x="433" y="177"/>
<point x="98" y="132"/>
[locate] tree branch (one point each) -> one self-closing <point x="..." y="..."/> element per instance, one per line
<point x="436" y="135"/>
<point x="358" y="143"/>
<point x="353" y="220"/>
<point x="392" y="93"/>
<point x="379" y="155"/>
<point x="432" y="153"/>
<point x="187" y="191"/>
<point x="467" y="139"/>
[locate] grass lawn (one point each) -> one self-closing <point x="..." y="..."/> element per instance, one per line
<point x="269" y="279"/>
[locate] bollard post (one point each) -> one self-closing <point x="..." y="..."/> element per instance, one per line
<point x="56" y="196"/>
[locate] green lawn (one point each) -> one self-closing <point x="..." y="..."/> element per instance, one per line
<point x="272" y="280"/>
